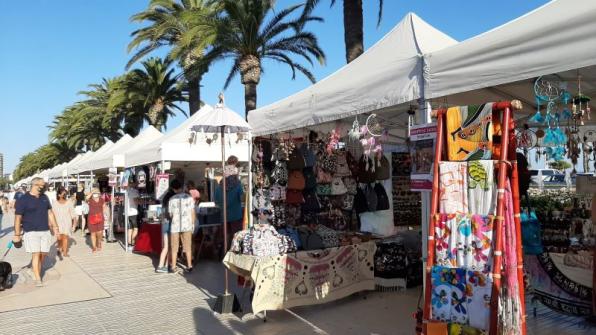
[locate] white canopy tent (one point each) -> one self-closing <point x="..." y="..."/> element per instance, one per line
<point x="183" y="145"/>
<point x="103" y="159"/>
<point x="77" y="167"/>
<point x="149" y="135"/>
<point x="388" y="74"/>
<point x="557" y="37"/>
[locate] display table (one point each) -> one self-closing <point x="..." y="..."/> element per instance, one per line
<point x="149" y="239"/>
<point x="306" y="277"/>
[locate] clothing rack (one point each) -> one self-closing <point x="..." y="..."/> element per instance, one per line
<point x="507" y="169"/>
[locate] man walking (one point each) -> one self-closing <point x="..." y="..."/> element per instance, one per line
<point x="181" y="209"/>
<point x="34" y="217"/>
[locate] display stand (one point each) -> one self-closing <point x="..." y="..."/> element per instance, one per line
<point x="507" y="169"/>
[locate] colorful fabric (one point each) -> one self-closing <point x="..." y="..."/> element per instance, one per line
<point x="457" y="329"/>
<point x="464" y="241"/>
<point x="478" y="292"/>
<point x="469" y="132"/>
<point x="482" y="193"/>
<point x="448" y="301"/>
<point x="453" y="187"/>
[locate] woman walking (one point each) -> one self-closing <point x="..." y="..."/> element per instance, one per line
<point x="97" y="206"/>
<point x="65" y="218"/>
<point x="81" y="208"/>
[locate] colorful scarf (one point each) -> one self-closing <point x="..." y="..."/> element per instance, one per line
<point x="453" y="187"/>
<point x="469" y="132"/>
<point x="482" y="195"/>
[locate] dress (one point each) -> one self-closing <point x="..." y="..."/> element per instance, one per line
<point x="64" y="213"/>
<point x="96" y="215"/>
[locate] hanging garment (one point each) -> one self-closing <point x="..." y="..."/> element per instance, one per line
<point x="478" y="291"/>
<point x="457" y="329"/>
<point x="482" y="235"/>
<point x="482" y="193"/>
<point x="448" y="301"/>
<point x="453" y="187"/>
<point x="531" y="234"/>
<point x="469" y="132"/>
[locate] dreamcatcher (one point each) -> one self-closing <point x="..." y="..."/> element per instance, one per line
<point x="372" y="133"/>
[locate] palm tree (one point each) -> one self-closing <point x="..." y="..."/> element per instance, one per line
<point x="246" y="36"/>
<point x="180" y="26"/>
<point x="353" y="21"/>
<point x="151" y="91"/>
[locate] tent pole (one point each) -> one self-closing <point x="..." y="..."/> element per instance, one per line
<point x="248" y="203"/>
<point x="225" y="207"/>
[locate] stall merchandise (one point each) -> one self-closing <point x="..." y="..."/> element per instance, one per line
<point x="474" y="255"/>
<point x="406" y="204"/>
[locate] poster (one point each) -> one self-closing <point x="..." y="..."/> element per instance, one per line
<point x="406" y="204"/>
<point x="162" y="183"/>
<point x="113" y="177"/>
<point x="422" y="149"/>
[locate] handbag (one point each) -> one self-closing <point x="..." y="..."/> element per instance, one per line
<point x="348" y="202"/>
<point x="261" y="180"/>
<point x="324" y="189"/>
<point x="85" y="208"/>
<point x="309" y="239"/>
<point x="292" y="233"/>
<point x="360" y="204"/>
<point x="296" y="160"/>
<point x="382" y="199"/>
<point x="328" y="162"/>
<point x="366" y="170"/>
<point x="342" y="166"/>
<point x="261" y="199"/>
<point x="310" y="159"/>
<point x="382" y="171"/>
<point x="336" y="220"/>
<point x="329" y="236"/>
<point x="371" y="198"/>
<point x="338" y="187"/>
<point x="310" y="179"/>
<point x="311" y="202"/>
<point x="96" y="218"/>
<point x="531" y="234"/>
<point x="351" y="185"/>
<point x="278" y="217"/>
<point x="280" y="173"/>
<point x="294" y="197"/>
<point x="296" y="181"/>
<point x="323" y="177"/>
<point x="277" y="193"/>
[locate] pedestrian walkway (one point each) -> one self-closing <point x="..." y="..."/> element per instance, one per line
<point x="136" y="300"/>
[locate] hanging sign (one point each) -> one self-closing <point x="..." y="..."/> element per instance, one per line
<point x="113" y="177"/>
<point x="422" y="150"/>
<point x="162" y="183"/>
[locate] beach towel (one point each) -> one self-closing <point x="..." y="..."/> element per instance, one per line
<point x="448" y="301"/>
<point x="478" y="291"/>
<point x="453" y="187"/>
<point x="482" y="193"/>
<point x="469" y="132"/>
<point x="443" y="250"/>
<point x="482" y="234"/>
<point x="461" y="241"/>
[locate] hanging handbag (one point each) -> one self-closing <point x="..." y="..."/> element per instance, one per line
<point x="280" y="173"/>
<point x="261" y="180"/>
<point x="531" y="234"/>
<point x="310" y="179"/>
<point x="324" y="189"/>
<point x="323" y="177"/>
<point x="311" y="202"/>
<point x="296" y="181"/>
<point x="309" y="239"/>
<point x="278" y="216"/>
<point x="291" y="233"/>
<point x="329" y="236"/>
<point x="348" y="202"/>
<point x="296" y="160"/>
<point x="277" y="192"/>
<point x="328" y="162"/>
<point x="336" y="220"/>
<point x="352" y="164"/>
<point x="342" y="166"/>
<point x="371" y="198"/>
<point x="382" y="171"/>
<point x="360" y="204"/>
<point x="294" y="197"/>
<point x="293" y="215"/>
<point x="261" y="199"/>
<point x="310" y="159"/>
<point x="351" y="185"/>
<point x="382" y="199"/>
<point x="338" y="187"/>
<point x="366" y="170"/>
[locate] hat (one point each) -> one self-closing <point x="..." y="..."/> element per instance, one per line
<point x="95" y="190"/>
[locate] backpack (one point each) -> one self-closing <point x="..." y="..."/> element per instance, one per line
<point x="360" y="204"/>
<point x="343" y="169"/>
<point x="323" y="177"/>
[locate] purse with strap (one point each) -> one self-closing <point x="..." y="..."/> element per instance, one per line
<point x="294" y="197"/>
<point x="366" y="170"/>
<point x="280" y="173"/>
<point x="310" y="179"/>
<point x="343" y="170"/>
<point x="296" y="181"/>
<point x="382" y="171"/>
<point x="338" y="187"/>
<point x="296" y="161"/>
<point x="382" y="199"/>
<point x="323" y="177"/>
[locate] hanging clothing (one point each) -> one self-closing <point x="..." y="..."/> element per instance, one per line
<point x="453" y="187"/>
<point x="469" y="132"/>
<point x="482" y="193"/>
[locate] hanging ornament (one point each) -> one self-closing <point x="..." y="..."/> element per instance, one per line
<point x="354" y="133"/>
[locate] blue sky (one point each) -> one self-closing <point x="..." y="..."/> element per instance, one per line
<point x="50" y="50"/>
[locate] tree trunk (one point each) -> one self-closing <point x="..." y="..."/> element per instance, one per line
<point x="194" y="94"/>
<point x="155" y="115"/>
<point x="353" y="34"/>
<point x="250" y="98"/>
<point x="250" y="75"/>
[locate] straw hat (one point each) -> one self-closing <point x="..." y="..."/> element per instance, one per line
<point x="95" y="190"/>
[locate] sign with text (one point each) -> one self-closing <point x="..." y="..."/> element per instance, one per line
<point x="422" y="151"/>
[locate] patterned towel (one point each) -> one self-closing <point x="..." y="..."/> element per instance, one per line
<point x="469" y="132"/>
<point x="454" y="187"/>
<point x="478" y="291"/>
<point x="482" y="193"/>
<point x="448" y="301"/>
<point x="464" y="241"/>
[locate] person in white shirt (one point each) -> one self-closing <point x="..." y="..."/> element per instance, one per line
<point x="181" y="209"/>
<point x="133" y="223"/>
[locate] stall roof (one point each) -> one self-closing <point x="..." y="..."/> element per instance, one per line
<point x="77" y="166"/>
<point x="389" y="73"/>
<point x="149" y="135"/>
<point x="557" y="37"/>
<point x="180" y="145"/>
<point x="103" y="160"/>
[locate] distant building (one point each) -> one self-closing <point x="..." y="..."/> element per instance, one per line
<point x="8" y="176"/>
<point x="1" y="164"/>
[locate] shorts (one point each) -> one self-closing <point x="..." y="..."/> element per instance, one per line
<point x="37" y="241"/>
<point x="186" y="241"/>
<point x="165" y="227"/>
<point x="133" y="223"/>
<point x="79" y="210"/>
